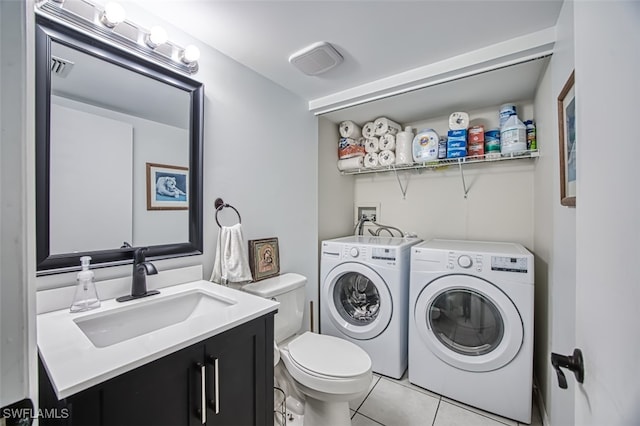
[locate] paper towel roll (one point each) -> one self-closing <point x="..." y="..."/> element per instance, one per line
<point x="458" y="121"/>
<point x="348" y="147"/>
<point x="384" y="125"/>
<point x="371" y="145"/>
<point x="371" y="160"/>
<point x="386" y="157"/>
<point x="369" y="129"/>
<point x="387" y="141"/>
<point x="349" y="129"/>
<point x="351" y="163"/>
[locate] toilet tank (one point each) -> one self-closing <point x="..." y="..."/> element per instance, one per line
<point x="289" y="290"/>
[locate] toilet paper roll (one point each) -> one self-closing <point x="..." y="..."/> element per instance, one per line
<point x="369" y="129"/>
<point x="371" y="145"/>
<point x="384" y="125"/>
<point x="387" y="141"/>
<point x="386" y="158"/>
<point x="349" y="129"/>
<point x="371" y="160"/>
<point x="351" y="163"/>
<point x="458" y="121"/>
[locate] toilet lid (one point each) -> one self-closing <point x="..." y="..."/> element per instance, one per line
<point x="329" y="356"/>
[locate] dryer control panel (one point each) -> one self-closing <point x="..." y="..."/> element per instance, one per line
<point x="465" y="261"/>
<point x="474" y="262"/>
<point x="509" y="264"/>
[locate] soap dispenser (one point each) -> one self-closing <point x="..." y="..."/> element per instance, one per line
<point x="86" y="296"/>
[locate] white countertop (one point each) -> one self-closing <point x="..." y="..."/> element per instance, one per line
<point x="74" y="363"/>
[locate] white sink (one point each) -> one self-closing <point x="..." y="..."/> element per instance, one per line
<point x="147" y="315"/>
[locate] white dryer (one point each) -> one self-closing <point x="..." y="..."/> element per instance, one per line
<point x="471" y="324"/>
<point x="364" y="295"/>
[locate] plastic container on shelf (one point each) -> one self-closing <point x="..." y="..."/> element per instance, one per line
<point x="425" y="146"/>
<point x="513" y="137"/>
<point x="531" y="134"/>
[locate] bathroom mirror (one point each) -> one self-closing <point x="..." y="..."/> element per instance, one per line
<point x="118" y="154"/>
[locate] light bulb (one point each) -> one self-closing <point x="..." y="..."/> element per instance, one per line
<point x="156" y="37"/>
<point x="113" y="14"/>
<point x="190" y="54"/>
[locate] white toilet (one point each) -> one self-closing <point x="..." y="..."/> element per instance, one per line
<point x="327" y="370"/>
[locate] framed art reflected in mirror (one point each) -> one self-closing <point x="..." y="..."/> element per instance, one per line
<point x="167" y="187"/>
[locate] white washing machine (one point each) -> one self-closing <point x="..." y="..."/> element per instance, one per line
<point x="471" y="324"/>
<point x="364" y="296"/>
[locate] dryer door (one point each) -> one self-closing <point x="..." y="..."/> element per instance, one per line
<point x="468" y="323"/>
<point x="358" y="301"/>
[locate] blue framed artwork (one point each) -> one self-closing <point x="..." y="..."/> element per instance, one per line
<point x="567" y="138"/>
<point x="167" y="187"/>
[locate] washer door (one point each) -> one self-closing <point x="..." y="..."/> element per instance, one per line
<point x="468" y="322"/>
<point x="358" y="301"/>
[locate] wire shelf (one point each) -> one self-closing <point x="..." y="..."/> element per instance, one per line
<point x="476" y="159"/>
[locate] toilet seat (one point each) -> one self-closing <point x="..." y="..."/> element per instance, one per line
<point x="327" y="364"/>
<point x="329" y="356"/>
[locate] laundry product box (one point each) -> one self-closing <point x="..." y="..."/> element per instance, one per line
<point x="457" y="143"/>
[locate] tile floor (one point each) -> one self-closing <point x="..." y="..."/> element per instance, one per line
<point x="392" y="402"/>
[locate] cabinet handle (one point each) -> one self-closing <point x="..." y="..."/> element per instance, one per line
<point x="217" y="385"/>
<point x="203" y="392"/>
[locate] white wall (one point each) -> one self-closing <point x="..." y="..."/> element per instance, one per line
<point x="555" y="235"/>
<point x="18" y="362"/>
<point x="499" y="202"/>
<point x="335" y="192"/>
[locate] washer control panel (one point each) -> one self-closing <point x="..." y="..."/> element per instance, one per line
<point x="384" y="255"/>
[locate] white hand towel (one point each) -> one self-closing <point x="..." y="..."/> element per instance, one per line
<point x="231" y="264"/>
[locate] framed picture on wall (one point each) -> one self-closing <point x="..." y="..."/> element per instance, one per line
<point x="264" y="258"/>
<point x="167" y="187"/>
<point x="567" y="139"/>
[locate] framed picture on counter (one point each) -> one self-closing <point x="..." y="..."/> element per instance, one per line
<point x="567" y="139"/>
<point x="264" y="258"/>
<point x="167" y="187"/>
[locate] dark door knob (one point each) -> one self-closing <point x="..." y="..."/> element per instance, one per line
<point x="573" y="362"/>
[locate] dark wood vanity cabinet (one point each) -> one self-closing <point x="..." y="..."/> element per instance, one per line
<point x="229" y="376"/>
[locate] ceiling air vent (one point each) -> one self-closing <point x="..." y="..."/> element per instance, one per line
<point x="60" y="67"/>
<point x="317" y="58"/>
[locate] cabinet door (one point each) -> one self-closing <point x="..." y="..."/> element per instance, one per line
<point x="164" y="392"/>
<point x="240" y="375"/>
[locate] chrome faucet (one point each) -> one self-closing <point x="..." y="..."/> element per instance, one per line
<point x="141" y="268"/>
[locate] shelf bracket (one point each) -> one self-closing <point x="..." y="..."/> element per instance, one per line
<point x="464" y="184"/>
<point x="403" y="190"/>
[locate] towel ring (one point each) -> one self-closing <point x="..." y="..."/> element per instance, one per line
<point x="219" y="204"/>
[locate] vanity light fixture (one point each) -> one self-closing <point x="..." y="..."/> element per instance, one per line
<point x="190" y="55"/>
<point x="156" y="37"/>
<point x="110" y="23"/>
<point x="112" y="15"/>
